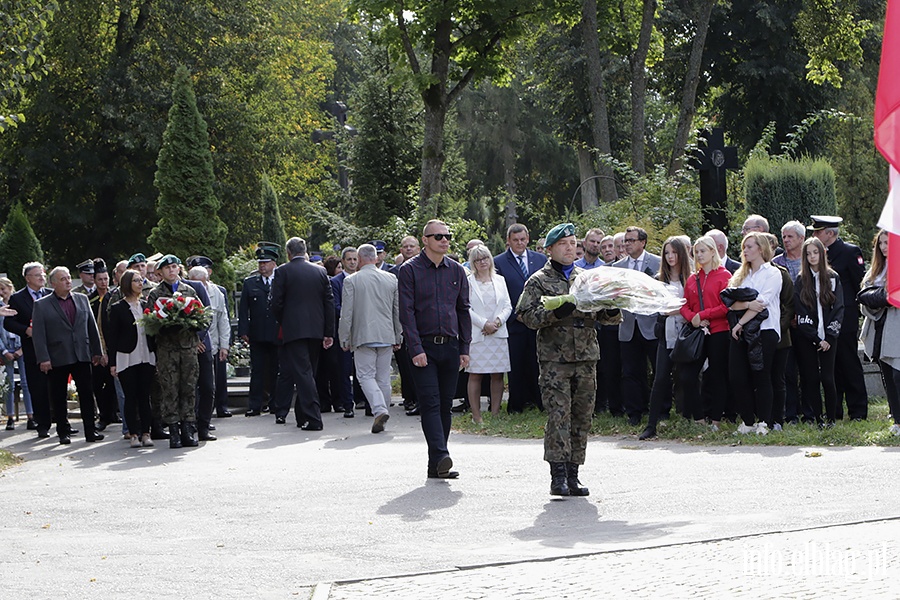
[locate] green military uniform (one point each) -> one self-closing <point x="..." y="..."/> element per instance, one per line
<point x="567" y="356"/>
<point x="177" y="365"/>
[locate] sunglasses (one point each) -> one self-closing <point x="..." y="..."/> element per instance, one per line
<point x="440" y="236"/>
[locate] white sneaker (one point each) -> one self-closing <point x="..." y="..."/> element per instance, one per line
<point x="894" y="430"/>
<point x="745" y="429"/>
<point x="135" y="442"/>
<point x="762" y="429"/>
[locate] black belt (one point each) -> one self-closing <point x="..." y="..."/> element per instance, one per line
<point x="438" y="339"/>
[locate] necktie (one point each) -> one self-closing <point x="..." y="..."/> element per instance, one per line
<point x="634" y="265"/>
<point x="37" y="295"/>
<point x="523" y="267"/>
<point x="266" y="283"/>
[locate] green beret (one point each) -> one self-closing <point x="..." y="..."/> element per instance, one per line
<point x="557" y="233"/>
<point x="137" y="258"/>
<point x="168" y="259"/>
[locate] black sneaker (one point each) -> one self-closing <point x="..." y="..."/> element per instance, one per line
<point x="10" y="424"/>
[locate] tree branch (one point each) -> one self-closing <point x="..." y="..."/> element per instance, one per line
<point x="404" y="37"/>
<point x="462" y="83"/>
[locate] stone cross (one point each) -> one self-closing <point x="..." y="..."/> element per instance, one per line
<point x="713" y="159"/>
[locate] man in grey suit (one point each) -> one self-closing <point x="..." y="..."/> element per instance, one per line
<point x="303" y="305"/>
<point x="639" y="344"/>
<point x="66" y="342"/>
<point x="370" y="327"/>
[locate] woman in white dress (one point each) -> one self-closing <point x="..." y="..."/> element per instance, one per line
<point x="489" y="306"/>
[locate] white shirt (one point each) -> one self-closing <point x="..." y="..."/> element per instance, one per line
<point x="767" y="281"/>
<point x="637" y="263"/>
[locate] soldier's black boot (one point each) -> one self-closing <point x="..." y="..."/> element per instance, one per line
<point x="174" y="436"/>
<point x="203" y="433"/>
<point x="189" y="434"/>
<point x="575" y="487"/>
<point x="558" y="484"/>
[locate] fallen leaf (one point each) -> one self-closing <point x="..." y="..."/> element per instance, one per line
<point x="47" y="526"/>
<point x="813" y="454"/>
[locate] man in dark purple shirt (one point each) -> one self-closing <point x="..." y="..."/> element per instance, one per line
<point x="434" y="312"/>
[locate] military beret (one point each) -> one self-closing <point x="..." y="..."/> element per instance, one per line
<point x="315" y="258"/>
<point x="99" y="265"/>
<point x="199" y="261"/>
<point x="557" y="233"/>
<point x="86" y="266"/>
<point x="136" y="258"/>
<point x="823" y="222"/>
<point x="168" y="259"/>
<point x="380" y="245"/>
<point x="266" y="252"/>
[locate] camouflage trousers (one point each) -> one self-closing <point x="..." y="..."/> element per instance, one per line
<point x="568" y="391"/>
<point x="177" y="370"/>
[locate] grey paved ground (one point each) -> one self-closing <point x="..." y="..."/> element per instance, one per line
<point x="270" y="511"/>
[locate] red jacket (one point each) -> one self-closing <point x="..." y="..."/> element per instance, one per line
<point x="714" y="310"/>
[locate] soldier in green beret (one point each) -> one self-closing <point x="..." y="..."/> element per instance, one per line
<point x="567" y="356"/>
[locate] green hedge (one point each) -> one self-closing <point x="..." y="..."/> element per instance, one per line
<point x="784" y="190"/>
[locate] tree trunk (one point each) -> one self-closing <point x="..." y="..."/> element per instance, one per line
<point x="432" y="159"/>
<point x="586" y="172"/>
<point x="599" y="111"/>
<point x="639" y="86"/>
<point x="509" y="182"/>
<point x="691" y="81"/>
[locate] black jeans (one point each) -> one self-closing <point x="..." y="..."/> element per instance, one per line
<point x="206" y="388"/>
<point x="715" y="379"/>
<point x="524" y="389"/>
<point x="57" y="382"/>
<point x="609" y="371"/>
<point x="263" y="374"/>
<point x="753" y="389"/>
<point x="137" y="382"/>
<point x="661" y="394"/>
<point x="817" y="372"/>
<point x="435" y="386"/>
<point x="636" y="355"/>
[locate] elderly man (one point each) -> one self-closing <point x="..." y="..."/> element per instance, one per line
<point x="608" y="249"/>
<point x="721" y="241"/>
<point x="847" y="260"/>
<point x="568" y="354"/>
<point x="220" y="359"/>
<point x="258" y="328"/>
<point x="793" y="234"/>
<point x="792" y="237"/>
<point x="66" y="344"/>
<point x="303" y="305"/>
<point x="434" y="311"/>
<point x="370" y="327"/>
<point x="619" y="241"/>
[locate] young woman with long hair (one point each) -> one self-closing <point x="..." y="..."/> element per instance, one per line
<point x="819" y="305"/>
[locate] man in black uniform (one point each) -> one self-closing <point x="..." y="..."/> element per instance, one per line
<point x="847" y="260"/>
<point x="258" y="328"/>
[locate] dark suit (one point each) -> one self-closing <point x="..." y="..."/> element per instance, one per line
<point x="69" y="347"/>
<point x="523" y="375"/>
<point x="104" y="385"/>
<point x="333" y="375"/>
<point x="23" y="302"/>
<point x="731" y="265"/>
<point x="257" y="321"/>
<point x="303" y="305"/>
<point x="206" y="381"/>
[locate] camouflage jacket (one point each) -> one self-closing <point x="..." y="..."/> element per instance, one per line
<point x="571" y="339"/>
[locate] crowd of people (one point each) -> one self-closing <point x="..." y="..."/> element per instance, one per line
<point x="780" y="327"/>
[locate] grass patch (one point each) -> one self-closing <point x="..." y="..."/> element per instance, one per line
<point x="530" y="425"/>
<point x="8" y="459"/>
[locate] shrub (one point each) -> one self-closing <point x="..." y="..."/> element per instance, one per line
<point x="782" y="190"/>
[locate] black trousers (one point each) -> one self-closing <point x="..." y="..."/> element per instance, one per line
<point x="779" y="389"/>
<point x="609" y="371"/>
<point x="662" y="392"/>
<point x="137" y="383"/>
<point x="57" y="383"/>
<point x="753" y="389"/>
<point x="698" y="405"/>
<point x="524" y="389"/>
<point x="891" y="379"/>
<point x="221" y="372"/>
<point x="848" y="373"/>
<point x="793" y="405"/>
<point x="636" y="355"/>
<point x="407" y="385"/>
<point x="206" y="389"/>
<point x="298" y="361"/>
<point x="333" y="379"/>
<point x="817" y="377"/>
<point x="435" y="385"/>
<point x="37" y="387"/>
<point x="105" y="394"/>
<point x="263" y="374"/>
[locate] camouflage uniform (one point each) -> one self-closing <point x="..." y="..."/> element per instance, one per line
<point x="177" y="365"/>
<point x="567" y="355"/>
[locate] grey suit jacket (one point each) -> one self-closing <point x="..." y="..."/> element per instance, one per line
<point x="645" y="323"/>
<point x="370" y="309"/>
<point x="57" y="340"/>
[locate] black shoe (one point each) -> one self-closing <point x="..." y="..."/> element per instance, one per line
<point x="575" y="487"/>
<point x="413" y="412"/>
<point x="223" y="414"/>
<point x="360" y="405"/>
<point x="100" y="425"/>
<point x="558" y="484"/>
<point x="463" y="407"/>
<point x="31" y="426"/>
<point x="64" y="439"/>
<point x="634" y="420"/>
<point x="252" y="413"/>
<point x="309" y="427"/>
<point x="348" y="414"/>
<point x="280" y="420"/>
<point x="174" y="435"/>
<point x="448" y="475"/>
<point x="369" y="413"/>
<point x="266" y="408"/>
<point x="647" y="433"/>
<point x="158" y="433"/>
<point x="325" y="409"/>
<point x="188" y="434"/>
<point x="10" y="424"/>
<point x="94" y="437"/>
<point x="212" y="427"/>
<point x="43" y="433"/>
<point x="73" y="431"/>
<point x="204" y="435"/>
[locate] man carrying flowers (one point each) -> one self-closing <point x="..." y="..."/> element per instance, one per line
<point x="174" y="319"/>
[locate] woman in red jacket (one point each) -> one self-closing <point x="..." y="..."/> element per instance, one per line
<point x="710" y="278"/>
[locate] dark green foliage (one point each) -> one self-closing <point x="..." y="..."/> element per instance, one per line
<point x="785" y="190"/>
<point x="272" y="225"/>
<point x="187" y="207"/>
<point x="18" y="245"/>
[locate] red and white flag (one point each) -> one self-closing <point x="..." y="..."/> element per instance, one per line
<point x="887" y="139"/>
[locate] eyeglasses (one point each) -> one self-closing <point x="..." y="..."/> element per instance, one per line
<point x="440" y="236"/>
<point x="631" y="240"/>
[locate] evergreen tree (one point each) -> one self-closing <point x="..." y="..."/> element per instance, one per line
<point x="272" y="225"/>
<point x="18" y="245"/>
<point x="187" y="206"/>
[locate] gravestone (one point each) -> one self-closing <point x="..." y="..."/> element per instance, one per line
<point x="713" y="159"/>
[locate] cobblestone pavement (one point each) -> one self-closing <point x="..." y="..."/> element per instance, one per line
<point x="842" y="561"/>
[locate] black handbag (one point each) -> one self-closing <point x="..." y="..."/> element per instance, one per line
<point x="689" y="344"/>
